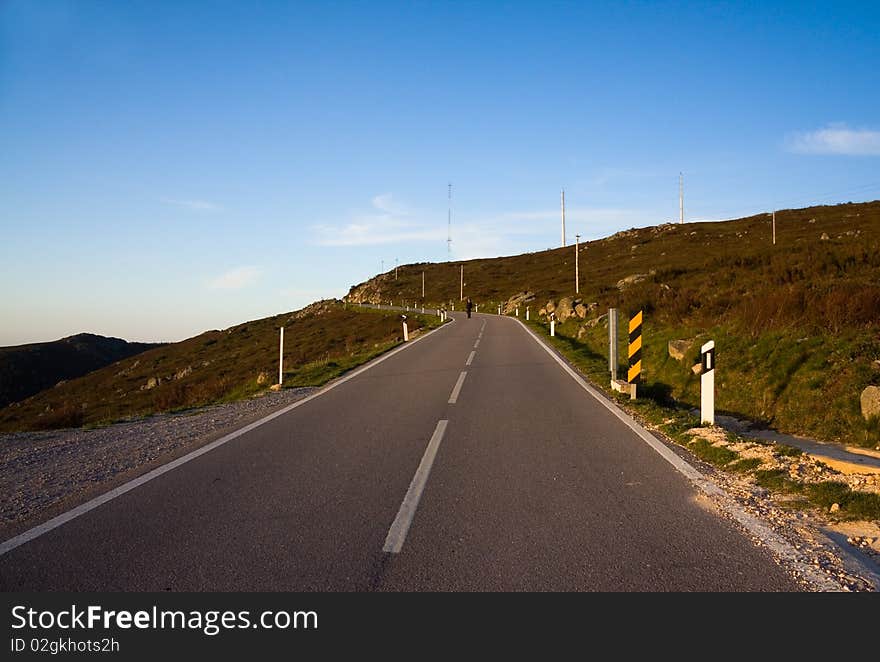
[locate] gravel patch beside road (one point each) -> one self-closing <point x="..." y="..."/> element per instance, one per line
<point x="43" y="473"/>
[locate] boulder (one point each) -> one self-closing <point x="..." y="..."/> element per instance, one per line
<point x="550" y="307"/>
<point x="678" y="348"/>
<point x="580" y="310"/>
<point x="697" y="368"/>
<point x="582" y="333"/>
<point x="870" y="401"/>
<point x="824" y="236"/>
<point x="564" y="309"/>
<point x="262" y="378"/>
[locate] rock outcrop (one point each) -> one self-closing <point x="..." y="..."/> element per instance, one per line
<point x="518" y="300"/>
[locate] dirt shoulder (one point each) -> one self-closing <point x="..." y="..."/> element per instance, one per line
<point x="45" y="473"/>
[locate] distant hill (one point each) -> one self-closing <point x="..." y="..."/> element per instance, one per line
<point x="321" y="341"/>
<point x="29" y="369"/>
<point x="797" y="324"/>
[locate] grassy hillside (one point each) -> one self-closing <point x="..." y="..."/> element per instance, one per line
<point x="797" y="324"/>
<point x="320" y="342"/>
<point x="29" y="369"/>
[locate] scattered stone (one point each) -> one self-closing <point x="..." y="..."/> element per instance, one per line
<point x="180" y="374"/>
<point x="595" y="322"/>
<point x="152" y="383"/>
<point x="262" y="378"/>
<point x="582" y="333"/>
<point x="870" y="402"/>
<point x="630" y="280"/>
<point x="580" y="310"/>
<point x="824" y="236"/>
<point x="275" y="387"/>
<point x="678" y="348"/>
<point x="834" y="508"/>
<point x="697" y="368"/>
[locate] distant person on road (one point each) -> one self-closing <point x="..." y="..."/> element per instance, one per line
<point x="469" y="306"/>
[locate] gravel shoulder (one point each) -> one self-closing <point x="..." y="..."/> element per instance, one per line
<point x="45" y="473"/>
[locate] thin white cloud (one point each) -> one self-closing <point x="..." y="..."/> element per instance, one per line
<point x="476" y="236"/>
<point x="373" y="231"/>
<point x="193" y="205"/>
<point x="387" y="204"/>
<point x="837" y="139"/>
<point x="235" y="279"/>
<point x="390" y="223"/>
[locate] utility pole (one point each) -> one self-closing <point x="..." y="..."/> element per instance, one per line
<point x="281" y="358"/>
<point x="563" y="218"/>
<point x="774" y="228"/>
<point x="395" y="268"/>
<point x="680" y="198"/>
<point x="461" y="294"/>
<point x="423" y="284"/>
<point x="449" y="227"/>
<point x="577" y="276"/>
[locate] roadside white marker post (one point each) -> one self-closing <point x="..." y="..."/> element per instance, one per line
<point x="707" y="383"/>
<point x="527" y="313"/>
<point x="499" y="310"/>
<point x="612" y="342"/>
<point x="517" y="312"/>
<point x="405" y="330"/>
<point x="552" y="324"/>
<point x="281" y="358"/>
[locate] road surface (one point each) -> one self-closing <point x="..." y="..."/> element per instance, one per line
<point x="468" y="461"/>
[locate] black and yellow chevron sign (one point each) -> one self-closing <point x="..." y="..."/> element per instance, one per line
<point x="635" y="348"/>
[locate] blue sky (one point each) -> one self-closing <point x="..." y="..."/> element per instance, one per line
<point x="171" y="167"/>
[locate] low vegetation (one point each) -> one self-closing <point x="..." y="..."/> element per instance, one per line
<point x="796" y="324"/>
<point x="321" y="342"/>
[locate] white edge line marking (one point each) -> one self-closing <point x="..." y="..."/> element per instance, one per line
<point x="400" y="527"/>
<point x="457" y="388"/>
<point x="83" y="508"/>
<point x="756" y="527"/>
<point x="477" y="344"/>
<point x="470" y="358"/>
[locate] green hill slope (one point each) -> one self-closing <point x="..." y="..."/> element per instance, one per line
<point x="321" y="341"/>
<point x="797" y="323"/>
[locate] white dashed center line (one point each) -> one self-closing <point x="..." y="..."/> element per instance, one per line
<point x="470" y="358"/>
<point x="457" y="388"/>
<point x="400" y="527"/>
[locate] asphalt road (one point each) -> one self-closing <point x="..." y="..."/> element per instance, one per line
<point x="530" y="484"/>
